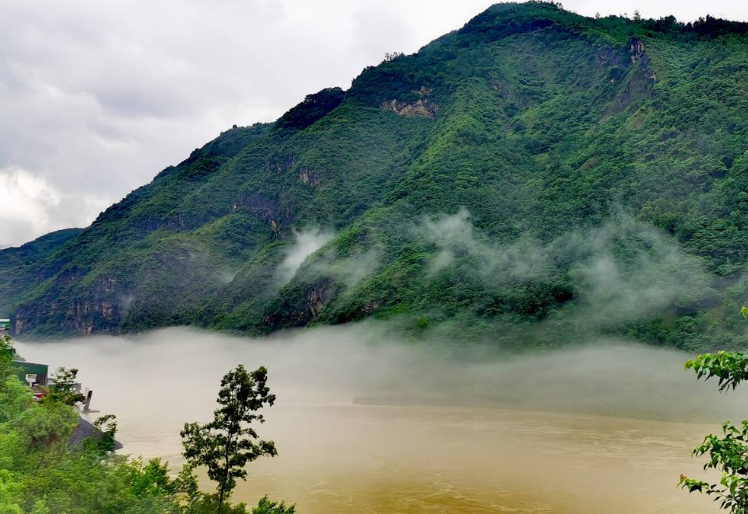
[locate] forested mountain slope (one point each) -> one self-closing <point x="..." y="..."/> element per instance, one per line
<point x="532" y="178"/>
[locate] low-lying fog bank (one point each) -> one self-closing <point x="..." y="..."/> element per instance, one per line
<point x="367" y="424"/>
<point x="365" y="364"/>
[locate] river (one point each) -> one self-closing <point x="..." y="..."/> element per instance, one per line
<point x="367" y="427"/>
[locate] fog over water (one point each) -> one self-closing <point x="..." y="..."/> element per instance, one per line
<point x="366" y="422"/>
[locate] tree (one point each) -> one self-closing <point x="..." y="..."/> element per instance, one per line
<point x="104" y="442"/>
<point x="728" y="453"/>
<point x="6" y="356"/>
<point x="45" y="431"/>
<point x="14" y="396"/>
<point x="226" y="444"/>
<point x="64" y="389"/>
<point x="269" y="507"/>
<point x="391" y="56"/>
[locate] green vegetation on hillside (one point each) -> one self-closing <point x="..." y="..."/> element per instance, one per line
<point x="502" y="184"/>
<point x="18" y="266"/>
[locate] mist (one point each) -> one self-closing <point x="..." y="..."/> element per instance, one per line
<point x="368" y="422"/>
<point x="366" y="363"/>
<point x="306" y="242"/>
<point x="619" y="271"/>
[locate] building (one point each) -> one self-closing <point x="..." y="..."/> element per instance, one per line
<point x="32" y="373"/>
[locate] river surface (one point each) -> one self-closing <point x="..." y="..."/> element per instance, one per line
<point x="489" y="441"/>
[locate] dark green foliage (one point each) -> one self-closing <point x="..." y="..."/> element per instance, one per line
<point x="18" y="266"/>
<point x="104" y="442"/>
<point x="63" y="388"/>
<point x="228" y="443"/>
<point x="313" y="108"/>
<point x="552" y="130"/>
<point x="269" y="507"/>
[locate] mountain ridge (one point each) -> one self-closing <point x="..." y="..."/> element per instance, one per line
<point x="527" y="127"/>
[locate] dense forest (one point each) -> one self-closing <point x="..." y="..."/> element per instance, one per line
<point x="533" y="178"/>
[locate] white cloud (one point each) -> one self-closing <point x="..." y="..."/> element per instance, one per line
<point x="30" y="206"/>
<point x="24" y="204"/>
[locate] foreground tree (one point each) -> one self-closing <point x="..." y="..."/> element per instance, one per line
<point x="64" y="387"/>
<point x="269" y="507"/>
<point x="229" y="442"/>
<point x="728" y="453"/>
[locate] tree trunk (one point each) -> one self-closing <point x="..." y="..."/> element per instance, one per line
<point x="225" y="480"/>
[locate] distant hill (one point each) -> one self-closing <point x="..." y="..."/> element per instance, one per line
<point x="532" y="178"/>
<point x="19" y="266"/>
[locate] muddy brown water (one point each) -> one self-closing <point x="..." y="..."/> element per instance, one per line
<point x="340" y="456"/>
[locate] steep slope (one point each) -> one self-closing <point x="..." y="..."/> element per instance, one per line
<point x="18" y="266"/>
<point x="531" y="178"/>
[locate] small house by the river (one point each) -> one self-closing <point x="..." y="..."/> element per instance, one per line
<point x="32" y="373"/>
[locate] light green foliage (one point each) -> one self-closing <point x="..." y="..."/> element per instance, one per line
<point x="6" y="355"/>
<point x="10" y="494"/>
<point x="229" y="442"/>
<point x="14" y="396"/>
<point x="728" y="454"/>
<point x="730" y="368"/>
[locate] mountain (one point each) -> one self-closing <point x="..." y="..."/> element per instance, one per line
<point x="532" y="178"/>
<point x="19" y="266"/>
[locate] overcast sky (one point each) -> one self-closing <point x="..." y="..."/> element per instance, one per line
<point x="98" y="97"/>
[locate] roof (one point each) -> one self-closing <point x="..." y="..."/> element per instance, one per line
<point x="83" y="431"/>
<point x="31" y="366"/>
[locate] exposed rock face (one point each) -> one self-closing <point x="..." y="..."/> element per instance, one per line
<point x="82" y="316"/>
<point x="300" y="313"/>
<point x="640" y="82"/>
<point x="608" y="56"/>
<point x="319" y="297"/>
<point x="266" y="210"/>
<point x="107" y="310"/>
<point x="636" y="49"/>
<point x="420" y="108"/>
<point x="371" y="306"/>
<point x="281" y="164"/>
<point x="308" y="176"/>
<point x="109" y="284"/>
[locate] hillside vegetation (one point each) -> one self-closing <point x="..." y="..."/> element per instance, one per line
<point x="534" y="178"/>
